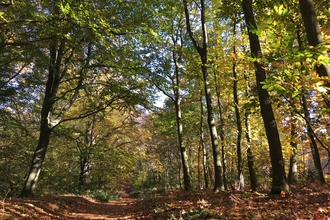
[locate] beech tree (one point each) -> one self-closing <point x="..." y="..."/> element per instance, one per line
<point x="278" y="173"/>
<point x="202" y="49"/>
<point x="167" y="75"/>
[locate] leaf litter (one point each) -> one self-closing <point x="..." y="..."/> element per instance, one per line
<point x="309" y="201"/>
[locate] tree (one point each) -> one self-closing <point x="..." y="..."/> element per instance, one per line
<point x="278" y="173"/>
<point x="176" y="89"/>
<point x="238" y="118"/>
<point x="315" y="40"/>
<point x="167" y="75"/>
<point x="293" y="167"/>
<point x="202" y="51"/>
<point x="202" y="145"/>
<point x="313" y="144"/>
<point x="74" y="56"/>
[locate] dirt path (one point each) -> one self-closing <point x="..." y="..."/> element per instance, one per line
<point x="303" y="202"/>
<point x="72" y="207"/>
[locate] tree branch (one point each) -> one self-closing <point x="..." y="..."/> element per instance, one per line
<point x="307" y="123"/>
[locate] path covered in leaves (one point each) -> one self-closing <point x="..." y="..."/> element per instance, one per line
<point x="305" y="202"/>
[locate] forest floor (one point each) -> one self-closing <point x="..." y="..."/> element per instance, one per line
<point x="304" y="202"/>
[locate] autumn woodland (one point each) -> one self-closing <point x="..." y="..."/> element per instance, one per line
<point x="164" y="109"/>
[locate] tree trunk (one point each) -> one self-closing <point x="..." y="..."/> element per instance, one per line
<point x="202" y="51"/>
<point x="313" y="145"/>
<point x="224" y="166"/>
<point x="293" y="168"/>
<point x="253" y="177"/>
<point x="205" y="167"/>
<point x="184" y="156"/>
<point x="279" y="181"/>
<point x="222" y="132"/>
<point x="45" y="123"/>
<point x="314" y="37"/>
<point x="252" y="172"/>
<point x="202" y="144"/>
<point x="247" y="110"/>
<point x="218" y="182"/>
<point x="85" y="167"/>
<point x="177" y="101"/>
<point x="238" y="121"/>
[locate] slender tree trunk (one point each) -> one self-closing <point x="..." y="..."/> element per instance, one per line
<point x="202" y="51"/>
<point x="279" y="181"/>
<point x="205" y="167"/>
<point x="252" y="172"/>
<point x="293" y="168"/>
<point x="175" y="79"/>
<point x="199" y="179"/>
<point x="218" y="180"/>
<point x="221" y="131"/>
<point x="224" y="166"/>
<point x="183" y="152"/>
<point x="238" y="121"/>
<point x="314" y="37"/>
<point x="184" y="156"/>
<point x="202" y="144"/>
<point x="313" y="144"/>
<point x="56" y="53"/>
<point x="247" y="110"/>
<point x="176" y="90"/>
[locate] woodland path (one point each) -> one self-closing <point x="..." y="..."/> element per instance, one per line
<point x="72" y="207"/>
<point x="310" y="201"/>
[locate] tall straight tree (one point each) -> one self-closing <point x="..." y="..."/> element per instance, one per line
<point x="202" y="143"/>
<point x="166" y="72"/>
<point x="177" y="101"/>
<point x="279" y="181"/>
<point x="238" y="115"/>
<point x="221" y="131"/>
<point x="202" y="51"/>
<point x="174" y="75"/>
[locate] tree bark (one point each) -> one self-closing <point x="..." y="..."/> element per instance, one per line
<point x="293" y="168"/>
<point x="205" y="166"/>
<point x="221" y="133"/>
<point x="56" y="53"/>
<point x="247" y="110"/>
<point x="314" y="37"/>
<point x="176" y="90"/>
<point x="238" y="121"/>
<point x="279" y="181"/>
<point x="252" y="171"/>
<point x="184" y="156"/>
<point x="202" y="51"/>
